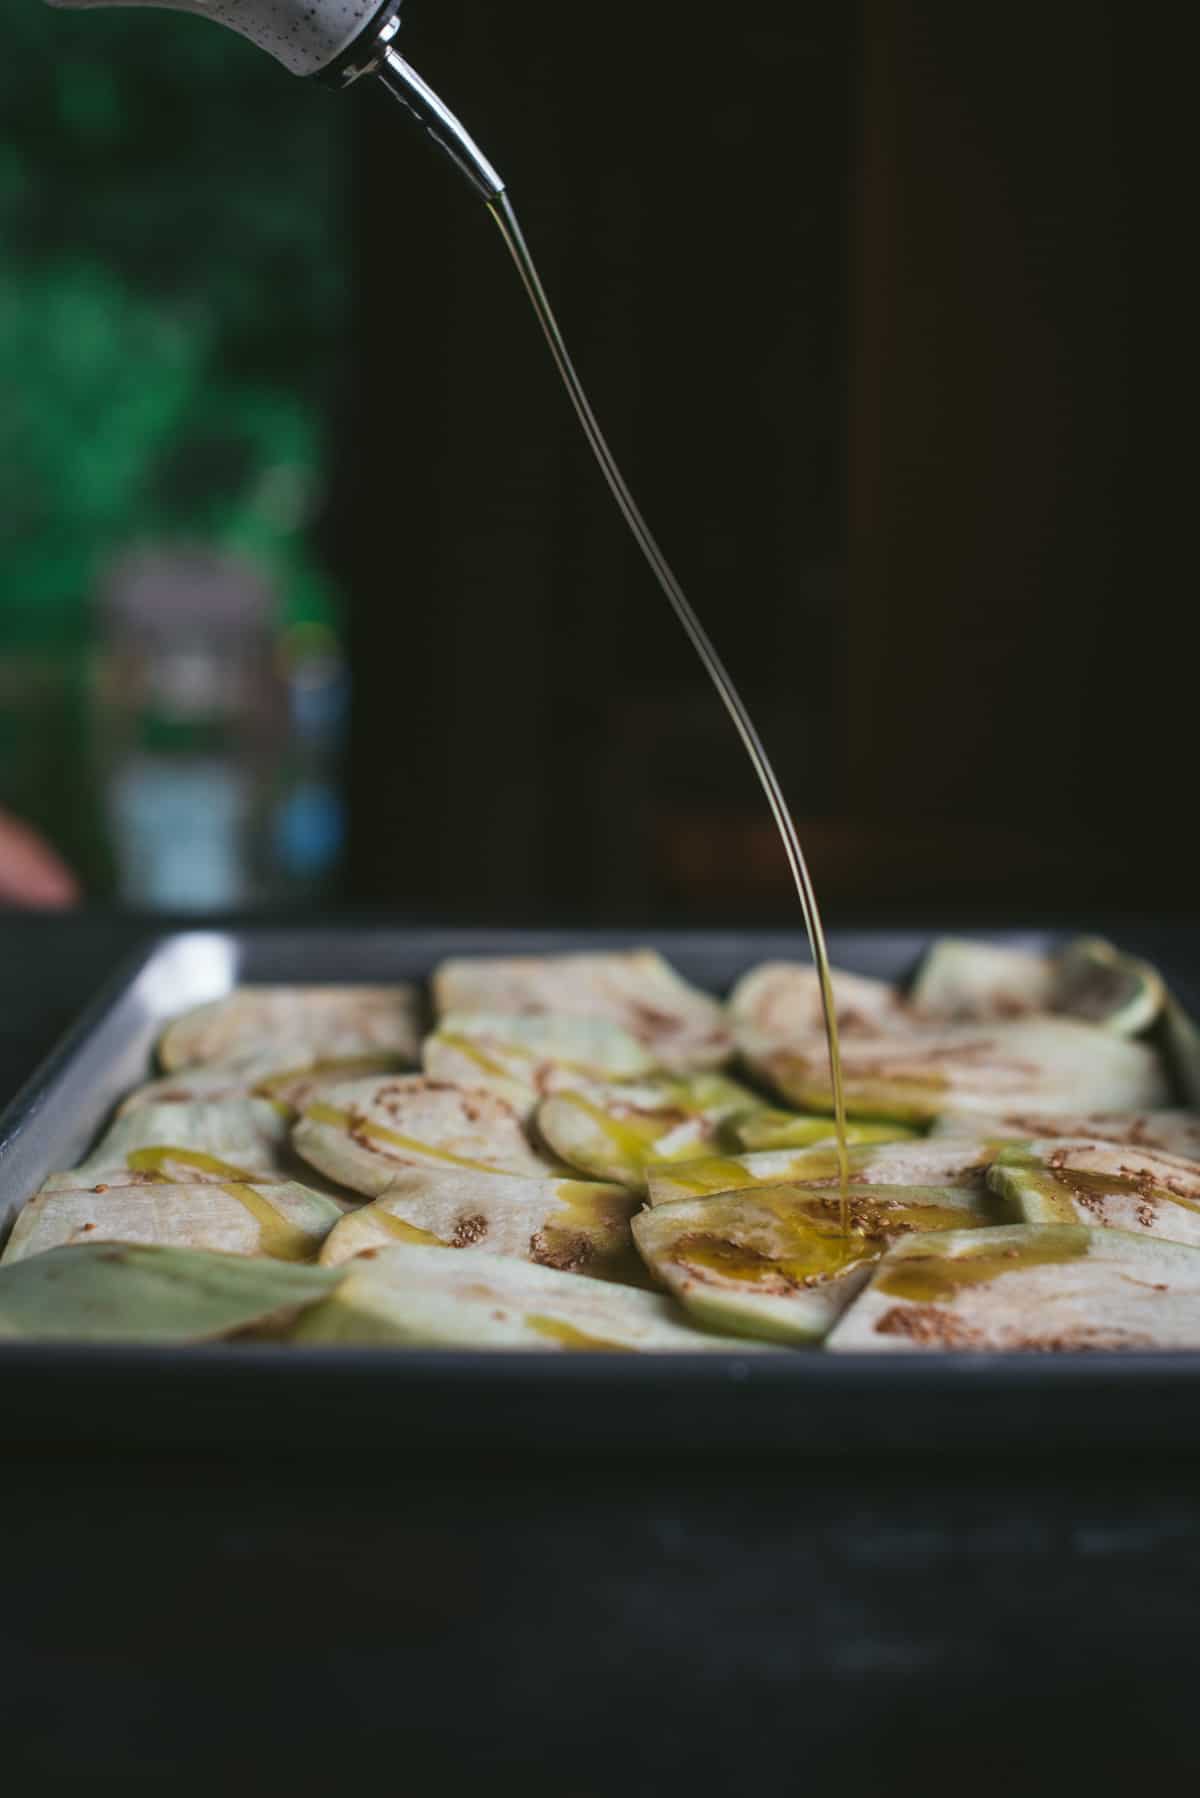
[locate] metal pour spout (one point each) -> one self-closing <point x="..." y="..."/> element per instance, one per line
<point x="447" y="132"/>
<point x="339" y="41"/>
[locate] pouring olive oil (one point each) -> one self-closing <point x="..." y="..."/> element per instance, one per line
<point x="501" y="210"/>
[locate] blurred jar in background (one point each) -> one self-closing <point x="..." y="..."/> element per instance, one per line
<point x="207" y="760"/>
<point x="308" y="810"/>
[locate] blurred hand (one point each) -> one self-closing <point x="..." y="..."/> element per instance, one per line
<point x="30" y="871"/>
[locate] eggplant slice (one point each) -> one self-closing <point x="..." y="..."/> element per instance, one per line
<point x="967" y="982"/>
<point x="782" y="1000"/>
<point x="709" y="1174"/>
<point x="280" y="1220"/>
<point x="411" y="1295"/>
<point x="1027" y="1286"/>
<point x="954" y="1161"/>
<point x="283" y="1078"/>
<point x="124" y="1292"/>
<point x="1028" y="1065"/>
<point x="771" y="1129"/>
<point x="679" y="1026"/>
<point x="237" y="1139"/>
<point x="1102" y="1186"/>
<point x="328" y="1023"/>
<point x="215" y="1085"/>
<point x="576" y="1226"/>
<point x="962" y="982"/>
<point x="1171" y="1132"/>
<point x="525" y="1058"/>
<point x="364" y="1133"/>
<point x="618" y="1132"/>
<point x="773" y="1262"/>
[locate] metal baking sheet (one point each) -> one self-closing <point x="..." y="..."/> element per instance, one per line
<point x="790" y="1406"/>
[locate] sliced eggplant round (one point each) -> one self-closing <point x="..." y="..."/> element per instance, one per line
<point x="1102" y="1185"/>
<point x="365" y="1133"/>
<point x="412" y="1295"/>
<point x="124" y="1292"/>
<point x="1027" y="1287"/>
<point x="325" y="1022"/>
<point x="524" y="1058"/>
<point x="574" y="1225"/>
<point x="280" y="1219"/>
<point x="774" y="1262"/>
<point x="678" y="1025"/>
<point x="618" y="1132"/>
<point x="772" y="1129"/>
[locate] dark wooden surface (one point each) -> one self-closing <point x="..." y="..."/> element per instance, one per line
<point x="309" y="1624"/>
<point x="379" y="1619"/>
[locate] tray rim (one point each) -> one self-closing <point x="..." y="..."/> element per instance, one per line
<point x="31" y="1095"/>
<point x="260" y="1370"/>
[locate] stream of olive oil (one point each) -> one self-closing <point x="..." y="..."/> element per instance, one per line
<point x="501" y="210"/>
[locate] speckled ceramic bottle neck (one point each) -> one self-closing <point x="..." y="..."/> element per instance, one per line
<point x="306" y="36"/>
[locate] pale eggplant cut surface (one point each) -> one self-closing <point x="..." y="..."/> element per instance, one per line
<point x="1174" y="1132"/>
<point x="1056" y="1288"/>
<point x="679" y="1026"/>
<point x="1033" y="1065"/>
<point x="962" y="982"/>
<point x="771" y="1129"/>
<point x="577" y="1226"/>
<point x="781" y="1001"/>
<point x="365" y="1133"/>
<point x="215" y="1085"/>
<point x="236" y="1139"/>
<point x="1102" y="1186"/>
<point x="284" y="1078"/>
<point x="281" y="1220"/>
<point x="327" y="1023"/>
<point x="708" y="1174"/>
<point x="618" y="1132"/>
<point x="418" y="1296"/>
<point x="967" y="982"/>
<point x="773" y="1262"/>
<point x="124" y="1292"/>
<point x="948" y="1161"/>
<point x="523" y="1058"/>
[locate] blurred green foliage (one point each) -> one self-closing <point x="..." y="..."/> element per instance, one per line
<point x="172" y="287"/>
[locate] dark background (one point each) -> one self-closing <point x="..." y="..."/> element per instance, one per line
<point x="886" y="317"/>
<point x="872" y="303"/>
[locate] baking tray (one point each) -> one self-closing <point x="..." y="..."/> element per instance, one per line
<point x="791" y="1406"/>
